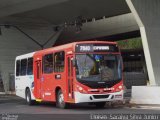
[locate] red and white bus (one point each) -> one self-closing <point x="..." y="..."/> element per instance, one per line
<point x="79" y="72"/>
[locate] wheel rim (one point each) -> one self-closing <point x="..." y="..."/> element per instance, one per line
<point x="61" y="99"/>
<point x="27" y="98"/>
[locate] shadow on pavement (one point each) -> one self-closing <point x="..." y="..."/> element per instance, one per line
<point x="82" y="106"/>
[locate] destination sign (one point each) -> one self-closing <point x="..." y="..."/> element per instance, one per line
<point x="96" y="48"/>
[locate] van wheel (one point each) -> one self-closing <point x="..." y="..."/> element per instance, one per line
<point x="100" y="104"/>
<point x="60" y="100"/>
<point x="28" y="97"/>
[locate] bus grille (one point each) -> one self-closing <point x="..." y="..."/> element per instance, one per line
<point x="100" y="96"/>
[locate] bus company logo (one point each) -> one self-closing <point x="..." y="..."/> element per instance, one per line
<point x="101" y="82"/>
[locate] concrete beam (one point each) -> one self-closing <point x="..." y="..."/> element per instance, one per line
<point x="99" y="28"/>
<point x="19" y="6"/>
<point x="25" y="22"/>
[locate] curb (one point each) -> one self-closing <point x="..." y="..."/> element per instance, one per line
<point x="7" y="93"/>
<point x="2" y="93"/>
<point x="143" y="106"/>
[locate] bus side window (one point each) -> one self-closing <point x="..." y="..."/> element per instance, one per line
<point x="23" y="67"/>
<point x="59" y="61"/>
<point x="30" y="66"/>
<point x="17" y="67"/>
<point x="48" y="63"/>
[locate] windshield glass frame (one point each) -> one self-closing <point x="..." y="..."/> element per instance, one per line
<point x="93" y="59"/>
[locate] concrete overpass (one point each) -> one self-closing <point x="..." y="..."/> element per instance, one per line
<point x="36" y="19"/>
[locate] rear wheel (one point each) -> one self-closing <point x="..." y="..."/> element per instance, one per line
<point x="100" y="104"/>
<point x="28" y="97"/>
<point x="60" y="100"/>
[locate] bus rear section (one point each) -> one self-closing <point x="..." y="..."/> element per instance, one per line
<point x="24" y="77"/>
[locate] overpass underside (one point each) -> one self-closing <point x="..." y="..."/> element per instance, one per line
<point x="112" y="28"/>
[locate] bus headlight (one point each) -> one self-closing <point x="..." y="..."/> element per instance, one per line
<point x="119" y="88"/>
<point x="80" y="89"/>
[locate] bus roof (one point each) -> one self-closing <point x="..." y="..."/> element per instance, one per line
<point x="65" y="46"/>
<point x="25" y="56"/>
<point x="61" y="47"/>
<point x="85" y="42"/>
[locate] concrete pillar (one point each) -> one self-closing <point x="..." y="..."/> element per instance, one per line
<point x="147" y="15"/>
<point x="5" y="78"/>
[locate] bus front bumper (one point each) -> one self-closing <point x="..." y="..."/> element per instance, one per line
<point x="81" y="97"/>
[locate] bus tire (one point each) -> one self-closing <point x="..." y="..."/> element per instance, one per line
<point x="60" y="100"/>
<point x="28" y="97"/>
<point x="100" y="104"/>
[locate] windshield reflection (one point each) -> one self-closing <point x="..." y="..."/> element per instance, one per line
<point x="98" y="67"/>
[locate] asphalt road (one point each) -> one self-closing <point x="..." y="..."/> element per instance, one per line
<point x="14" y="108"/>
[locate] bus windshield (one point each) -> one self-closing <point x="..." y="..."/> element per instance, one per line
<point x="98" y="67"/>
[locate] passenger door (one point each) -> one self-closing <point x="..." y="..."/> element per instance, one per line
<point x="47" y="81"/>
<point x="70" y="77"/>
<point x="37" y="85"/>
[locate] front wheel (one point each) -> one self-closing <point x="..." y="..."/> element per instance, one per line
<point x="28" y="97"/>
<point x="60" y="100"/>
<point x="100" y="104"/>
